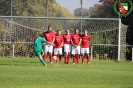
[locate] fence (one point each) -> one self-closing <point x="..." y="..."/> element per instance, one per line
<point x="108" y="35"/>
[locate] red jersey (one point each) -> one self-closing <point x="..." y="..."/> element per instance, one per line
<point x="58" y="41"/>
<point x="49" y="36"/>
<point x="76" y="38"/>
<point x="67" y="39"/>
<point x="85" y="41"/>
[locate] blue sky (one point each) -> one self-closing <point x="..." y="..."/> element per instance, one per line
<point x="73" y="4"/>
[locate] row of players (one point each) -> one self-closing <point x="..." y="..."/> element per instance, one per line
<point x="70" y="42"/>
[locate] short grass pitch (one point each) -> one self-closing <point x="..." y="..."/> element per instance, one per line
<point x="30" y="73"/>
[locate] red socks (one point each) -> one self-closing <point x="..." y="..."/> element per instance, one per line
<point x="67" y="59"/>
<point x="88" y="58"/>
<point x="76" y="59"/>
<point x="50" y="57"/>
<point x="82" y="59"/>
<point x="60" y="58"/>
<point x="44" y="57"/>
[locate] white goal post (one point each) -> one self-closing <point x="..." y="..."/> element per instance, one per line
<point x="105" y="32"/>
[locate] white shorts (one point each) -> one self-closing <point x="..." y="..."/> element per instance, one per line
<point x="48" y="48"/>
<point x="84" y="50"/>
<point x="67" y="47"/>
<point x="75" y="50"/>
<point x="57" y="51"/>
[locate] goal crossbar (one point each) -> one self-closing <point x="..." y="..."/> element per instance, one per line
<point x="58" y="18"/>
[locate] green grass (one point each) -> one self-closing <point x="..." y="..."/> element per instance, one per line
<point x="30" y="73"/>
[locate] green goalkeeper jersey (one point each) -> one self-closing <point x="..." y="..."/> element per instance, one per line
<point x="38" y="44"/>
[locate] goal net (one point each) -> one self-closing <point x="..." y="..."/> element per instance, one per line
<point x="18" y="34"/>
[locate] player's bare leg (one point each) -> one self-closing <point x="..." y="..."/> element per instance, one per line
<point x="57" y="60"/>
<point x="42" y="61"/>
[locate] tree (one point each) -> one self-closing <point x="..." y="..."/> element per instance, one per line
<point x="5" y="7"/>
<point x="78" y="11"/>
<point x="105" y="10"/>
<point x="101" y="0"/>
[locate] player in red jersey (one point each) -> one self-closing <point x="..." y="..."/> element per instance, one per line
<point x="85" y="44"/>
<point x="58" y="46"/>
<point x="76" y="41"/>
<point x="48" y="49"/>
<point x="67" y="46"/>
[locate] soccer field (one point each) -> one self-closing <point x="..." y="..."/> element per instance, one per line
<point x="30" y="73"/>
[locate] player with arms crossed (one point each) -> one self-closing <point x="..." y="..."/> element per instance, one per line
<point x="58" y="44"/>
<point x="76" y="41"/>
<point x="67" y="46"/>
<point x="48" y="49"/>
<point x="38" y="48"/>
<point x="85" y="46"/>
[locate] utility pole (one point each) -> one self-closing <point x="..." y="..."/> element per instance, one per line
<point x="47" y="13"/>
<point x="81" y="17"/>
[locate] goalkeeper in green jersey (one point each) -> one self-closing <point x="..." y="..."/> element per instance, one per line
<point x="38" y="48"/>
